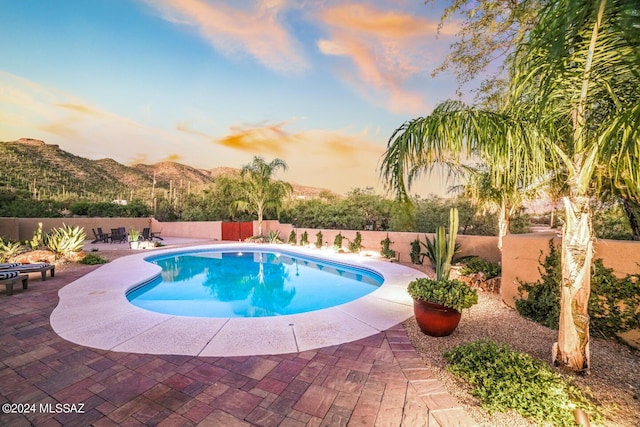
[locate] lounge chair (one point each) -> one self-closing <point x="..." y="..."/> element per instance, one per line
<point x="100" y="236"/>
<point x="147" y="234"/>
<point x="118" y="235"/>
<point x="10" y="278"/>
<point x="41" y="267"/>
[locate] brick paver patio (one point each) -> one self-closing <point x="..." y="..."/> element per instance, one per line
<point x="377" y="381"/>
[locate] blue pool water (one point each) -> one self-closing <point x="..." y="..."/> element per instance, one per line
<point x="250" y="284"/>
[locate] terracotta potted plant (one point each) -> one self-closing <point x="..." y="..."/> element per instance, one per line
<point x="438" y="303"/>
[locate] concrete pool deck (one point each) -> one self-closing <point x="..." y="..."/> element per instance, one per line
<point x="376" y="381"/>
<point x="93" y="311"/>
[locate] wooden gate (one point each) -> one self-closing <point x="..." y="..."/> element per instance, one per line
<point x="236" y="230"/>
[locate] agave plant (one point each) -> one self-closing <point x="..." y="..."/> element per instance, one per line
<point x="66" y="240"/>
<point x="9" y="249"/>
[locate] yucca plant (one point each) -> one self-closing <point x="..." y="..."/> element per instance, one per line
<point x="37" y="241"/>
<point x="134" y="234"/>
<point x="66" y="240"/>
<point x="274" y="237"/>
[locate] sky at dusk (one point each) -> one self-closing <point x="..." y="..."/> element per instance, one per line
<point x="208" y="83"/>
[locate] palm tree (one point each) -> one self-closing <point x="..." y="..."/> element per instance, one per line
<point x="576" y="60"/>
<point x="580" y="59"/>
<point x="260" y="190"/>
<point x="506" y="145"/>
<point x="491" y="196"/>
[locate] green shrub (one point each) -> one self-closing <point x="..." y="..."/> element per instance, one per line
<point x="505" y="380"/>
<point x="613" y="302"/>
<point x="93" y="259"/>
<point x="319" y="239"/>
<point x="337" y="242"/>
<point x="304" y="239"/>
<point x="542" y="301"/>
<point x="475" y="265"/>
<point x="450" y="293"/>
<point x="385" y="251"/>
<point x="355" y="245"/>
<point x="416" y="252"/>
<point x="292" y="238"/>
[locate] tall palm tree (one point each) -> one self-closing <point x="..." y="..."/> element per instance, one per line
<point x="576" y="59"/>
<point x="260" y="190"/>
<point x="580" y="59"/>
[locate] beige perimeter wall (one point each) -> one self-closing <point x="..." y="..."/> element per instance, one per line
<point x="521" y="255"/>
<point x="23" y="228"/>
<point x="484" y="246"/>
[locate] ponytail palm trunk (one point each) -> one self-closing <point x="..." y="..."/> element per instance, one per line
<point x="572" y="348"/>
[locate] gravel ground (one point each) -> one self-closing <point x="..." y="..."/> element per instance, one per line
<point x="614" y="380"/>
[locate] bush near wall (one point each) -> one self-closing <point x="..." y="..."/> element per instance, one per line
<point x="614" y="303"/>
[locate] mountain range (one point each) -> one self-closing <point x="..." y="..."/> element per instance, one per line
<point x="44" y="171"/>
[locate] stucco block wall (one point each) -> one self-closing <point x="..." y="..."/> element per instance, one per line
<point x="484" y="246"/>
<point x="197" y="229"/>
<point x="23" y="228"/>
<point x="9" y="228"/>
<point x="521" y="256"/>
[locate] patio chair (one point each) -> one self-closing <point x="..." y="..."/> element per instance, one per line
<point x="147" y="234"/>
<point x="40" y="267"/>
<point x="10" y="278"/>
<point x="118" y="235"/>
<point x="100" y="236"/>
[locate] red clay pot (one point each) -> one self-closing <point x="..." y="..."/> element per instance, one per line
<point x="435" y="320"/>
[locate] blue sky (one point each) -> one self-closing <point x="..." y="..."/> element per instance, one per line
<point x="319" y="84"/>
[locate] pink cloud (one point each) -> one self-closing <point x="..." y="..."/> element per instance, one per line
<point x="233" y="30"/>
<point x="387" y="48"/>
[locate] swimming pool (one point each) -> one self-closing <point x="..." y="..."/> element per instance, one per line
<point x="94" y="311"/>
<point x="250" y="284"/>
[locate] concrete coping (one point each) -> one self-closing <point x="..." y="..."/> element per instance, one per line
<point x="94" y="311"/>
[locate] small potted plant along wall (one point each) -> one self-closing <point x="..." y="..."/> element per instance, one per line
<point x="438" y="303"/>
<point x="134" y="237"/>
